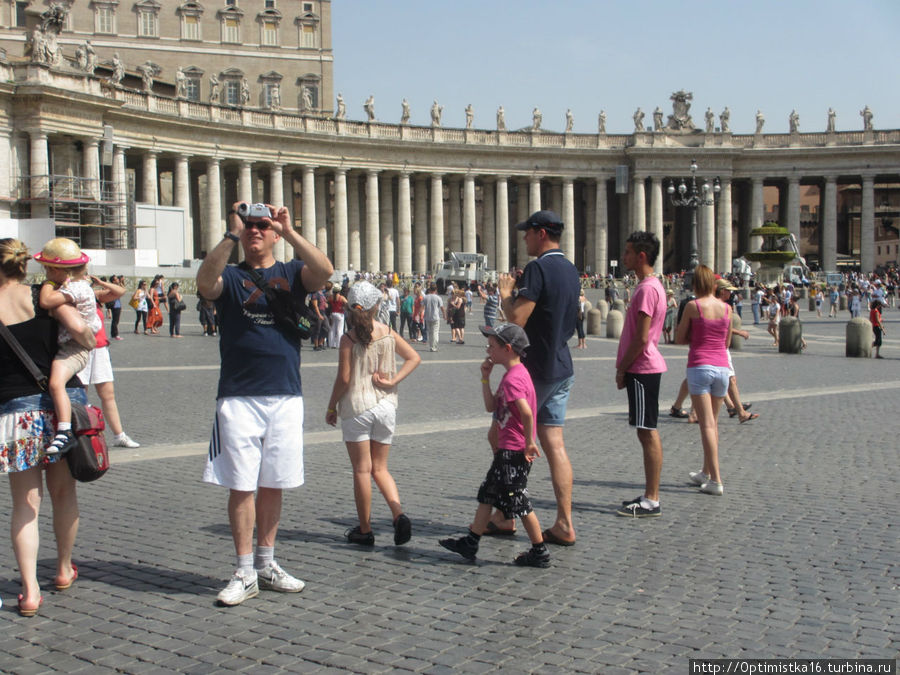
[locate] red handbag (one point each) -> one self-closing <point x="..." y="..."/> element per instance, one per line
<point x="89" y="459"/>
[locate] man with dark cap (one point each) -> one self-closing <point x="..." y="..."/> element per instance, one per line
<point x="545" y="304"/>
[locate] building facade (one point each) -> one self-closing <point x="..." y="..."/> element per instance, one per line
<point x="84" y="146"/>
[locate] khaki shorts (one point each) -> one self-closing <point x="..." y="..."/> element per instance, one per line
<point x="72" y="356"/>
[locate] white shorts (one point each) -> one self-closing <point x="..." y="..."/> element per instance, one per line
<point x="98" y="369"/>
<point x="376" y="424"/>
<point x="257" y="441"/>
<point x="730" y="364"/>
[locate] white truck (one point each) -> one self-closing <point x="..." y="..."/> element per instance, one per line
<point x="461" y="268"/>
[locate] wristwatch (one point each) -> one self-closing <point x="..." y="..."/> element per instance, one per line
<point x="231" y="235"/>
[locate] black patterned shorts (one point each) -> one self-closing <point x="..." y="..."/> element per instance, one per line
<point x="505" y="484"/>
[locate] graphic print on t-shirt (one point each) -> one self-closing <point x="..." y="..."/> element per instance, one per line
<point x="255" y="307"/>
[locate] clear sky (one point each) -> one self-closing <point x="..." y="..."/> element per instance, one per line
<point x="588" y="55"/>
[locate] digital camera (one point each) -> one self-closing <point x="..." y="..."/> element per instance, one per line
<point x="245" y="211"/>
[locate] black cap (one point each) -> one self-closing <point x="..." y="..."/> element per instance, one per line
<point x="510" y="334"/>
<point x="547" y="220"/>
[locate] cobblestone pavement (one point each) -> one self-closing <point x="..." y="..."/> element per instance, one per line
<point x="798" y="559"/>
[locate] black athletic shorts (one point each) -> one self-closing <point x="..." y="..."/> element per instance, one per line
<point x="643" y="399"/>
<point x="505" y="484"/>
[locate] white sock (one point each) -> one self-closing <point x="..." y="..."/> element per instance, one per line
<point x="264" y="555"/>
<point x="63" y="426"/>
<point x="649" y="503"/>
<point x="245" y="564"/>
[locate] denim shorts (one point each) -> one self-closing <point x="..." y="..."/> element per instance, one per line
<point x="552" y="399"/>
<point x="712" y="380"/>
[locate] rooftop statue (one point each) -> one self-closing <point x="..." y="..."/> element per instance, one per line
<point x="710" y="120"/>
<point x="213" y="88"/>
<point x="86" y="57"/>
<point x="118" y="70"/>
<point x="436" y="111"/>
<point x="180" y="84"/>
<point x="470" y="116"/>
<point x="570" y="120"/>
<point x="275" y="97"/>
<point x="369" y="107"/>
<point x="866" y="114"/>
<point x="680" y="119"/>
<point x="341" y="112"/>
<point x="831" y="118"/>
<point x="501" y="119"/>
<point x="760" y="121"/>
<point x="724" y="120"/>
<point x="657" y="119"/>
<point x="794" y="122"/>
<point x="42" y="45"/>
<point x="536" y="119"/>
<point x="638" y="120"/>
<point x="404" y="114"/>
<point x="601" y="122"/>
<point x="306" y="99"/>
<point x="245" y="91"/>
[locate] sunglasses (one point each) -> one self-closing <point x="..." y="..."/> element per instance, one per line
<point x="258" y="224"/>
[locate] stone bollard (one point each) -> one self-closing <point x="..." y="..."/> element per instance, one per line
<point x="737" y="342"/>
<point x="859" y="338"/>
<point x="615" y="320"/>
<point x="842" y="303"/>
<point x="619" y="305"/>
<point x="595" y="322"/>
<point x="603" y="308"/>
<point x="812" y="303"/>
<point x="804" y="293"/>
<point x="790" y="335"/>
<point x="587" y="307"/>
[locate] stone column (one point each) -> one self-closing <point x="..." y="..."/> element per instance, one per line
<point x="601" y="229"/>
<point x="501" y="240"/>
<point x="120" y="189"/>
<point x="421" y="224"/>
<point x="867" y="225"/>
<point x="322" y="213"/>
<point x="341" y="258"/>
<point x="7" y="173"/>
<point x="793" y="207"/>
<point x="708" y="233"/>
<point x="590" y="217"/>
<point x="488" y="226"/>
<point x="522" y="213"/>
<point x="556" y="198"/>
<point x="214" y="225"/>
<point x="404" y="225"/>
<point x="639" y="205"/>
<point x="437" y="219"/>
<point x="308" y="207"/>
<point x="757" y="211"/>
<point x="181" y="198"/>
<point x="245" y="182"/>
<point x="276" y="198"/>
<point x="656" y="219"/>
<point x="40" y="174"/>
<point x="386" y="221"/>
<point x="534" y="198"/>
<point x="828" y="252"/>
<point x="469" y="241"/>
<point x="724" y="244"/>
<point x="568" y="218"/>
<point x="354" y="253"/>
<point x="150" y="189"/>
<point x="287" y="189"/>
<point x="454" y="215"/>
<point x="91" y="166"/>
<point x="373" y="236"/>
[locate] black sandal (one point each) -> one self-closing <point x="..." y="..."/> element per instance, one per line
<point x="680" y="413"/>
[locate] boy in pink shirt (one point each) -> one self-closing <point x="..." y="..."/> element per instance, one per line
<point x="512" y="439"/>
<point x="639" y="365"/>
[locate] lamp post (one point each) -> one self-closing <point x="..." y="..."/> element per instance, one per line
<point x="693" y="198"/>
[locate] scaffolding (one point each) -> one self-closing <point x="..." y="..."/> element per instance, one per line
<point x="92" y="212"/>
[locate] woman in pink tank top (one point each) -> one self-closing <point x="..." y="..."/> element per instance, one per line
<point x="706" y="326"/>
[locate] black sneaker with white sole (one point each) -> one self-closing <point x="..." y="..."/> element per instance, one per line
<point x="634" y="509"/>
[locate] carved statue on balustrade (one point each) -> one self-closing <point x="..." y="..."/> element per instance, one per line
<point x="86" y="57"/>
<point x="638" y="120"/>
<point x="213" y="88"/>
<point x="725" y="120"/>
<point x="658" y="119"/>
<point x="118" y="70"/>
<point x="536" y="119"/>
<point x="570" y="121"/>
<point x="341" y="112"/>
<point x="306" y="102"/>
<point x="275" y="97"/>
<point x="470" y="116"/>
<point x="794" y="122"/>
<point x="710" y="118"/>
<point x="180" y="84"/>
<point x="760" y="121"/>
<point x="601" y="122"/>
<point x="245" y="91"/>
<point x="680" y="119"/>
<point x="832" y="116"/>
<point x="147" y="71"/>
<point x="43" y="45"/>
<point x="436" y="111"/>
<point x="501" y="119"/>
<point x="369" y="107"/>
<point x="866" y="114"/>
<point x="404" y="111"/>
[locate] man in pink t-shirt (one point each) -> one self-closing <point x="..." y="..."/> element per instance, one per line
<point x="639" y="365"/>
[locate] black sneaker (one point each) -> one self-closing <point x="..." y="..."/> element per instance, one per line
<point x="635" y="510"/>
<point x="62" y="442"/>
<point x="355" y="536"/>
<point x="534" y="557"/>
<point x="402" y="530"/>
<point x="461" y="546"/>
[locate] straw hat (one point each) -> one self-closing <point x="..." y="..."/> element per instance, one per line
<point x="61" y="252"/>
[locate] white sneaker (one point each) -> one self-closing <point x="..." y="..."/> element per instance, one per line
<point x="240" y="588"/>
<point x="273" y="578"/>
<point x="698" y="477"/>
<point x="712" y="487"/>
<point x="123" y="441"/>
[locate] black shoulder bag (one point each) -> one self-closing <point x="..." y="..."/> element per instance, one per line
<point x="291" y="317"/>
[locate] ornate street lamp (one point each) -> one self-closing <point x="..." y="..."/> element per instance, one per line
<point x="690" y="196"/>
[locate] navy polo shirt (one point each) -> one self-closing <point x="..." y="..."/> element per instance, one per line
<point x="552" y="283"/>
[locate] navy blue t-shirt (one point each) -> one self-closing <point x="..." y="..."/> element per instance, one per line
<point x="257" y="358"/>
<point x="552" y="283"/>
